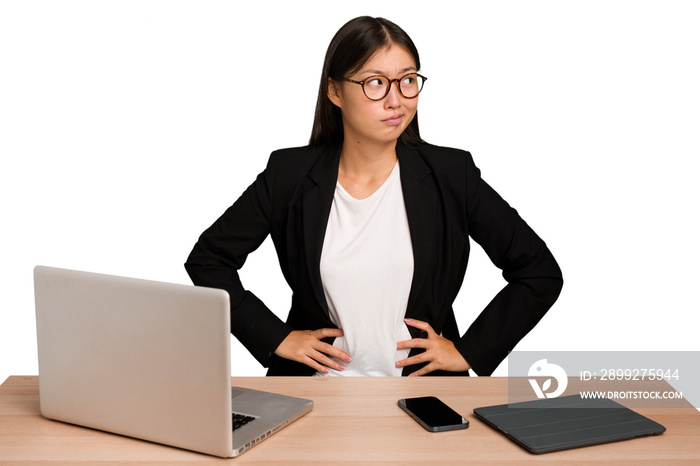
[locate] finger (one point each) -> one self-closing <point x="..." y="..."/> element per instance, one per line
<point x="331" y="350"/>
<point x="317" y="360"/>
<point x="338" y="354"/>
<point x="326" y="362"/>
<point x="322" y="333"/>
<point x="417" y="359"/>
<point x="323" y="347"/>
<point x="312" y="363"/>
<point x="425" y="370"/>
<point x="413" y="343"/>
<point x="419" y="324"/>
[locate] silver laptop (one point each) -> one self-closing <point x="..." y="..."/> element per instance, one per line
<point x="149" y="360"/>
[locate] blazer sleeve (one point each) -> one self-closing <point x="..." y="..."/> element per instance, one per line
<point x="534" y="279"/>
<point x="222" y="250"/>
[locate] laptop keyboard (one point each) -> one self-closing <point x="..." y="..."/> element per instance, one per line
<point x="239" y="420"/>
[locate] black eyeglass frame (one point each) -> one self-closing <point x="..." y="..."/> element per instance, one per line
<point x="388" y="88"/>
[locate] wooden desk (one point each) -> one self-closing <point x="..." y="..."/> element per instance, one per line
<point x="353" y="421"/>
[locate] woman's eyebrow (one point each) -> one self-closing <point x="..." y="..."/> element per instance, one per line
<point x="405" y="70"/>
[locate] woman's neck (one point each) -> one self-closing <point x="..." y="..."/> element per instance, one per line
<point x="367" y="160"/>
<point x="364" y="168"/>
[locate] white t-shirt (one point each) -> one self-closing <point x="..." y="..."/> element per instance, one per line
<point x="367" y="270"/>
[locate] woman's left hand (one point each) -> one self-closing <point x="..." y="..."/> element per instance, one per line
<point x="440" y="353"/>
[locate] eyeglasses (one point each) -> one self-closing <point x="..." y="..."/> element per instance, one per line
<point x="377" y="87"/>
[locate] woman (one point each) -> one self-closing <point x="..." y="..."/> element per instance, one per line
<point x="371" y="228"/>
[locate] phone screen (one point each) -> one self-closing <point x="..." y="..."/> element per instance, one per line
<point x="433" y="414"/>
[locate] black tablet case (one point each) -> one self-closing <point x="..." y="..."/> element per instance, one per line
<point x="543" y="426"/>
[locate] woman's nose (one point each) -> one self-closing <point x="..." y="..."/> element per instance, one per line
<point x="393" y="98"/>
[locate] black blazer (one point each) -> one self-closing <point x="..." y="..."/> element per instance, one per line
<point x="446" y="203"/>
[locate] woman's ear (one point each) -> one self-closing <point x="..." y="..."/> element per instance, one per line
<point x="334" y="93"/>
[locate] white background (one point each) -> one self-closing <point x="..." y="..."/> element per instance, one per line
<point x="127" y="127"/>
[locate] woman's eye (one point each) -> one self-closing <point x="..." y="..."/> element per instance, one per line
<point x="376" y="82"/>
<point x="408" y="80"/>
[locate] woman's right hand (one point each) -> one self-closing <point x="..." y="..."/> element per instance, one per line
<point x="306" y="347"/>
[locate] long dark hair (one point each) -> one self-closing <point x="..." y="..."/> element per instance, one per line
<point x="349" y="50"/>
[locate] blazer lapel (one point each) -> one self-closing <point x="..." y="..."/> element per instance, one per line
<point x="316" y="208"/>
<point x="420" y="202"/>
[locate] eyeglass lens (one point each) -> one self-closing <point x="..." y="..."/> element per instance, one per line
<point x="376" y="87"/>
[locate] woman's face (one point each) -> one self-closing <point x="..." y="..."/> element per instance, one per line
<point x="382" y="121"/>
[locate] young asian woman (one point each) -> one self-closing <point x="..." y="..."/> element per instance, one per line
<point x="371" y="226"/>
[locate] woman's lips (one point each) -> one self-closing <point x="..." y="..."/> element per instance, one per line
<point x="393" y="120"/>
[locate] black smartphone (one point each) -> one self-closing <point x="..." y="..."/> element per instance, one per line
<point x="433" y="414"/>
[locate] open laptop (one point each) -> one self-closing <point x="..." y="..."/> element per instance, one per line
<point x="149" y="360"/>
<point x="543" y="426"/>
